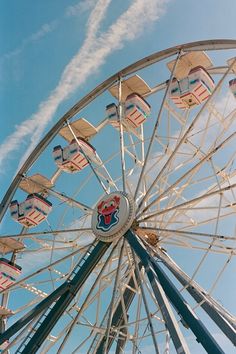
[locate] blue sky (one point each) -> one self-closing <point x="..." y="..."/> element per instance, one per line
<point x="54" y="52"/>
<point x="44" y="43"/>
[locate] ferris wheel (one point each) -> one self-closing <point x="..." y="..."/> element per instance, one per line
<point x="119" y="231"/>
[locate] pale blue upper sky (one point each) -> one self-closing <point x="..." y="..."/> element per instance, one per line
<point x="39" y="39"/>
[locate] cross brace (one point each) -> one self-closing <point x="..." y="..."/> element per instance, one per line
<point x="201" y="332"/>
<point x="64" y="295"/>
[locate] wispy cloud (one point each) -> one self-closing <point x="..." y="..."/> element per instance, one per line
<point x="79" y="8"/>
<point x="44" y="30"/>
<point x="90" y="57"/>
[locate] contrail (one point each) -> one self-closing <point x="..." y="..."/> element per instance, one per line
<point x="75" y="10"/>
<point x="35" y="125"/>
<point x="43" y="31"/>
<point x="89" y="58"/>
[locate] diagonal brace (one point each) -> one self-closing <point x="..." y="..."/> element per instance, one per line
<point x="201" y="332"/>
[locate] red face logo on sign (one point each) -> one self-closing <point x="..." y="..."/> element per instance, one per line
<point x="108" y="211"/>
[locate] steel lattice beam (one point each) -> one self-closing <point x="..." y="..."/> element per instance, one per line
<point x="118" y="318"/>
<point x="44" y="304"/>
<point x="62" y="298"/>
<point x="200" y="297"/>
<point x="202" y="334"/>
<point x="167" y="313"/>
<point x="57" y="311"/>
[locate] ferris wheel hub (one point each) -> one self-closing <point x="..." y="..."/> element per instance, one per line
<point x="112" y="216"/>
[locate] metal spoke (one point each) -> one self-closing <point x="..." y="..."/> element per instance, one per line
<point x="145" y="303"/>
<point x="113" y="298"/>
<point x="87" y="158"/>
<point x="156" y="125"/>
<point x="198" y="328"/>
<point x="121" y="131"/>
<point x="213" y="308"/>
<point x="189" y="202"/>
<point x="63" y="197"/>
<point x="177" y="170"/>
<point x="167" y="313"/>
<point x="49" y="232"/>
<point x="199" y="234"/>
<point x="181" y="141"/>
<point x="75" y="320"/>
<point x="192" y="170"/>
<point x="43" y="269"/>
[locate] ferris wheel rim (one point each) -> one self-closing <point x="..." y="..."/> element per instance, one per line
<point x="215" y="44"/>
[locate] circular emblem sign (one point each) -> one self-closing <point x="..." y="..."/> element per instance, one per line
<point x="112" y="216"/>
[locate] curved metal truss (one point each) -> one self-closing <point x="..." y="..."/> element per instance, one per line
<point x="159" y="194"/>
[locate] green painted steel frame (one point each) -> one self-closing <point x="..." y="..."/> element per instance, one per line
<point x="37" y="310"/>
<point x="202" y="334"/>
<point x="64" y="301"/>
<point x="200" y="298"/>
<point x="117" y="318"/>
<point x="64" y="295"/>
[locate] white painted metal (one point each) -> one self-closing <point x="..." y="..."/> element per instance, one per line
<point x="183" y="175"/>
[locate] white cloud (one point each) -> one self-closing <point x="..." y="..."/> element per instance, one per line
<point x="43" y="31"/>
<point x="79" y="8"/>
<point x="46" y="28"/>
<point x="90" y="57"/>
